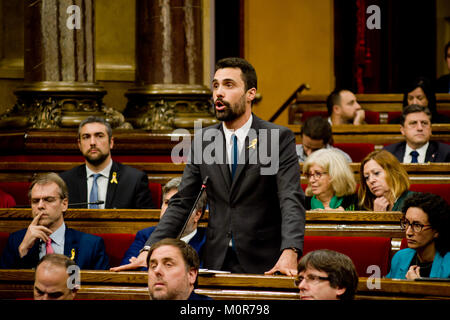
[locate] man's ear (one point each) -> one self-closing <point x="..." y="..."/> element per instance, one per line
<point x="79" y="144"/>
<point x="251" y="94"/>
<point x="336" y="109"/>
<point x="192" y="275"/>
<point x="340" y="291"/>
<point x="402" y="130"/>
<point x="111" y="143"/>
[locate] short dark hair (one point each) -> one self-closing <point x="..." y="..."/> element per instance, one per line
<point x="95" y="119"/>
<point x="438" y="212"/>
<point x="49" y="177"/>
<point x="317" y="128"/>
<point x="335" y="98"/>
<point x="413" y="108"/>
<point x="339" y="268"/>
<point x="190" y="256"/>
<point x="248" y="72"/>
<point x="425" y="85"/>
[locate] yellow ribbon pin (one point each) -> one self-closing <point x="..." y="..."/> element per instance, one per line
<point x="252" y="144"/>
<point x="114" y="178"/>
<point x="72" y="257"/>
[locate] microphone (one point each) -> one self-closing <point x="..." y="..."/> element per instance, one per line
<point x="202" y="189"/>
<point x="86" y="203"/>
<point x="70" y="204"/>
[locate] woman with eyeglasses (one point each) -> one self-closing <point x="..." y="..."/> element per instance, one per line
<point x="384" y="182"/>
<point x="426" y="223"/>
<point x="331" y="183"/>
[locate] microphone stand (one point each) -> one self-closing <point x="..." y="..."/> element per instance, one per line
<point x="202" y="189"/>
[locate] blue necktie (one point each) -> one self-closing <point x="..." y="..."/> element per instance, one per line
<point x="93" y="197"/>
<point x="414" y="154"/>
<point x="234" y="156"/>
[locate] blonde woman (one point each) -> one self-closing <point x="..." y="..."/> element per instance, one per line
<point x="384" y="182"/>
<point x="331" y="183"/>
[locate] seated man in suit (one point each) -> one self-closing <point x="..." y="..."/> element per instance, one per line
<point x="51" y="278"/>
<point x="316" y="134"/>
<point x="344" y="109"/>
<point x="172" y="271"/>
<point x="417" y="147"/>
<point x="326" y="275"/>
<point x="47" y="233"/>
<point x="115" y="185"/>
<point x="194" y="235"/>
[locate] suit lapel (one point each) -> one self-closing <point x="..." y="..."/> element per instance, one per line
<point x="82" y="177"/>
<point x="222" y="163"/>
<point x="248" y="151"/>
<point x="431" y="153"/>
<point x="112" y="184"/>
<point x="71" y="246"/>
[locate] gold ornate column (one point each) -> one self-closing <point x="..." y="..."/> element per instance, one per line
<point x="59" y="68"/>
<point x="169" y="91"/>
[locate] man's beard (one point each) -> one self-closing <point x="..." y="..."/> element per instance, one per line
<point x="96" y="161"/>
<point x="231" y="113"/>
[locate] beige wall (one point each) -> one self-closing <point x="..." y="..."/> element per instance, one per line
<point x="289" y="43"/>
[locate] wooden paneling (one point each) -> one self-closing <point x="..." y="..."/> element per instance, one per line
<point x="16" y="284"/>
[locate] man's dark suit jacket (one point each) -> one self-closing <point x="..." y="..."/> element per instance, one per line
<point x="89" y="251"/>
<point x="436" y="152"/>
<point x="264" y="214"/>
<point x="130" y="192"/>
<point x="142" y="236"/>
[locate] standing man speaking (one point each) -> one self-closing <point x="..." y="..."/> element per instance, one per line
<point x="256" y="214"/>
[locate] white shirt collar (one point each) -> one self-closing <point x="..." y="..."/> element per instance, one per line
<point x="104" y="172"/>
<point x="58" y="235"/>
<point x="422" y="153"/>
<point x="189" y="237"/>
<point x="240" y="133"/>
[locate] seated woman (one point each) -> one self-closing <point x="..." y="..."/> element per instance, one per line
<point x="331" y="183"/>
<point x="384" y="182"/>
<point x="422" y="93"/>
<point x="426" y="223"/>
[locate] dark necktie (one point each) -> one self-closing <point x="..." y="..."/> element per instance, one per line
<point x="93" y="197"/>
<point x="234" y="156"/>
<point x="414" y="155"/>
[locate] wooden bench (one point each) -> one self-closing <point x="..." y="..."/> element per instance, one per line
<point x="18" y="284"/>
<point x="378" y="135"/>
<point x="378" y="230"/>
<point x="385" y="104"/>
<point x="163" y="172"/>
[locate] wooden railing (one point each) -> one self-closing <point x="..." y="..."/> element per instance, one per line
<point x="163" y="172"/>
<point x="332" y="223"/>
<point x="377" y="102"/>
<point x="18" y="284"/>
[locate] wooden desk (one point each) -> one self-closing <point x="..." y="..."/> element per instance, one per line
<point x="163" y="172"/>
<point x="331" y="223"/>
<point x="377" y="134"/>
<point x="16" y="284"/>
<point x="377" y="102"/>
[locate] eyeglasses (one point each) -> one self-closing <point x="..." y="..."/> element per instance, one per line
<point x="310" y="279"/>
<point x="317" y="175"/>
<point x="416" y="227"/>
<point x="414" y="124"/>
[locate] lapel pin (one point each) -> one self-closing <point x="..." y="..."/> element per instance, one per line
<point x="72" y="254"/>
<point x="252" y="144"/>
<point x="114" y="178"/>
